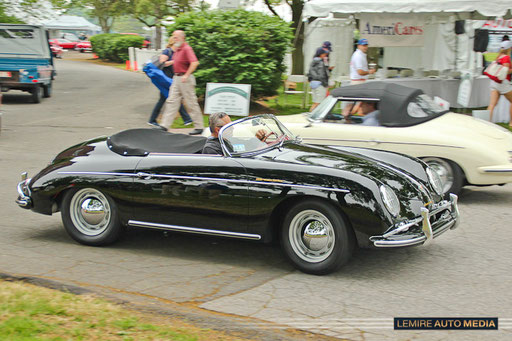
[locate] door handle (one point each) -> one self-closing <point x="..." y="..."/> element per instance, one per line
<point x="143" y="175"/>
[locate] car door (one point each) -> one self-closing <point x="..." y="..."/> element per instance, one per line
<point x="192" y="191"/>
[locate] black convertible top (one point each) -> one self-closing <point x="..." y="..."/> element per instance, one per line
<point x="141" y="142"/>
<point x="393" y="101"/>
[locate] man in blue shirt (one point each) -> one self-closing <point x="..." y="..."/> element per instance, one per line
<point x="371" y="114"/>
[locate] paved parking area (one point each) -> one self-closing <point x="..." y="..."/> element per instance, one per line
<point x="466" y="272"/>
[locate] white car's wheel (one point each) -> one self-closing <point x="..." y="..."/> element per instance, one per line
<point x="315" y="237"/>
<point x="450" y="174"/>
<point x="90" y="217"/>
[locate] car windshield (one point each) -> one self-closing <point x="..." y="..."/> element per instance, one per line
<point x="322" y="108"/>
<point x="254" y="134"/>
<point x="424" y="106"/>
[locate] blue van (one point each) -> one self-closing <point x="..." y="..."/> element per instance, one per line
<point x="26" y="61"/>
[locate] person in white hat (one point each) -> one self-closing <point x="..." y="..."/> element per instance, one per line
<point x="503" y="87"/>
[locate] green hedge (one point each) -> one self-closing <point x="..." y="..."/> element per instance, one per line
<point x="237" y="47"/>
<point x="114" y="46"/>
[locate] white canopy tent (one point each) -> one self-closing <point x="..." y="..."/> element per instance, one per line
<point x="473" y="9"/>
<point x="72" y="23"/>
<point x="441" y="49"/>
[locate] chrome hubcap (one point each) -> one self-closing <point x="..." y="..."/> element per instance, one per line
<point x="93" y="211"/>
<point x="311" y="236"/>
<point x="443" y="169"/>
<point x="315" y="236"/>
<point x="90" y="212"/>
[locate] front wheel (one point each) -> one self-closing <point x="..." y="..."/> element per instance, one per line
<point x="450" y="173"/>
<point x="315" y="238"/>
<point x="90" y="217"/>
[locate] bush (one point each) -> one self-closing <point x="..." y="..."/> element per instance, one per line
<point x="114" y="46"/>
<point x="237" y="47"/>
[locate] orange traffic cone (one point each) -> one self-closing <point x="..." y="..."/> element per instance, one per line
<point x="95" y="56"/>
<point x="135" y="68"/>
<point x="127" y="65"/>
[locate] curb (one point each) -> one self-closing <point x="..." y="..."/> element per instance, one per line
<point x="233" y="325"/>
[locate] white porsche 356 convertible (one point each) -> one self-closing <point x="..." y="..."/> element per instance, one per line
<point x="463" y="150"/>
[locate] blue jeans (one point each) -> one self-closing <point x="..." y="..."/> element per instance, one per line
<point x="156" y="111"/>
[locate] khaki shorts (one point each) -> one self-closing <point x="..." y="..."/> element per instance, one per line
<point x="319" y="94"/>
<point x="503" y="88"/>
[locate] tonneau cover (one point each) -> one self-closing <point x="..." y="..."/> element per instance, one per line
<point x="141" y="142"/>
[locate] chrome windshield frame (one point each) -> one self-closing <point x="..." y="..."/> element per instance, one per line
<point x="227" y="153"/>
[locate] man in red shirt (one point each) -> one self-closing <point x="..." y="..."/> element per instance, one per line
<point x="183" y="85"/>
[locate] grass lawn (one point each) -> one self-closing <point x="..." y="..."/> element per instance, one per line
<point x="29" y="312"/>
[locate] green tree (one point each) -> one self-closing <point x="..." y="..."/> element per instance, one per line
<point x="153" y="12"/>
<point x="20" y="11"/>
<point x="298" y="30"/>
<point x="9" y="19"/>
<point x="237" y="47"/>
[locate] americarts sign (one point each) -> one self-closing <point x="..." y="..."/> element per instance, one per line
<point x="392" y="29"/>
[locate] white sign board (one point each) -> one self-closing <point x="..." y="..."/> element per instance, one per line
<point x="466" y="82"/>
<point x="392" y="29"/>
<point x="233" y="99"/>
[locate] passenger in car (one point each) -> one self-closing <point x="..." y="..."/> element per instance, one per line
<point x="216" y="122"/>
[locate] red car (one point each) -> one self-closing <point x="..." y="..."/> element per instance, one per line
<point x="64" y="43"/>
<point x="57" y="51"/>
<point x="83" y="46"/>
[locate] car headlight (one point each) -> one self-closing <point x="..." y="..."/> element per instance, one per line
<point x="390" y="200"/>
<point x="435" y="180"/>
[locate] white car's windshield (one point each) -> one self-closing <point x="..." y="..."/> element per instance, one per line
<point x="319" y="112"/>
<point x="254" y="134"/>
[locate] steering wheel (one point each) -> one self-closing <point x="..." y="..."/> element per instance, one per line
<point x="265" y="138"/>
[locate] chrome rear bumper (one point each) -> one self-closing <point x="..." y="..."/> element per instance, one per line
<point x="400" y="235"/>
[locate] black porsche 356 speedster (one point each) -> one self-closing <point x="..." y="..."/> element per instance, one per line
<point x="319" y="201"/>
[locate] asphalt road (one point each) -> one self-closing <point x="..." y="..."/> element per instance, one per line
<point x="464" y="273"/>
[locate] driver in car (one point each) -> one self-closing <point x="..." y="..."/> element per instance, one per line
<point x="216" y="122"/>
<point x="369" y="110"/>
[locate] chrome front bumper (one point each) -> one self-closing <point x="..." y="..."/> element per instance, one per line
<point x="447" y="214"/>
<point x="24" y="200"/>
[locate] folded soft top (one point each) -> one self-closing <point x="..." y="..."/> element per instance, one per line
<point x="141" y="142"/>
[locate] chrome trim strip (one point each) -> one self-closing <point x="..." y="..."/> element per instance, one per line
<point x="250" y="236"/>
<point x="498" y="170"/>
<point x="183" y="154"/>
<point x="389" y="142"/>
<point x="185" y="177"/>
<point x="100" y="173"/>
<point x="358" y="98"/>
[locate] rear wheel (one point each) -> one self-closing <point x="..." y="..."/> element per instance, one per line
<point x="47" y="90"/>
<point x="315" y="237"/>
<point x="90" y="217"/>
<point x="37" y="93"/>
<point x="450" y="173"/>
